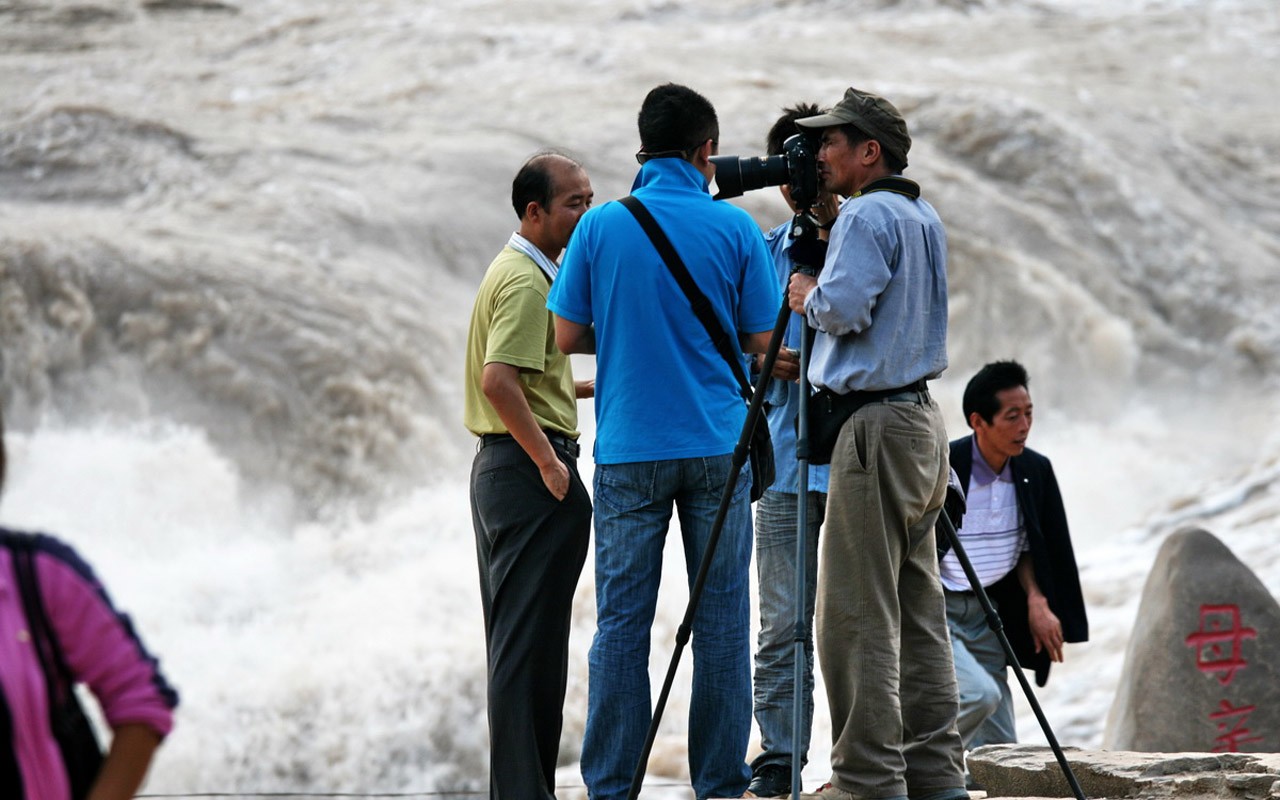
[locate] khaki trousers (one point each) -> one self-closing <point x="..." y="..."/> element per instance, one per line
<point x="881" y="620"/>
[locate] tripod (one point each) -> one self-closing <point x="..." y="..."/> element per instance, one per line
<point x="804" y="233"/>
<point x="997" y="627"/>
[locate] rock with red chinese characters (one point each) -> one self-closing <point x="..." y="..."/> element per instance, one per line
<point x="1202" y="672"/>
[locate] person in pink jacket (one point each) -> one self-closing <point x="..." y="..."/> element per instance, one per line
<point x="98" y="647"/>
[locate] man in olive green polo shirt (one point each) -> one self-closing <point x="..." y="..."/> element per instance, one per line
<point x="530" y="509"/>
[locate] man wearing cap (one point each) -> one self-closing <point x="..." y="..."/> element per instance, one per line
<point x="879" y="307"/>
<point x="668" y="415"/>
<point x="530" y="510"/>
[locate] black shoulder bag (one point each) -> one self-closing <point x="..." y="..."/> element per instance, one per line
<point x="761" y="447"/>
<point x="81" y="753"/>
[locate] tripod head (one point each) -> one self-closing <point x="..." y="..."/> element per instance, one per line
<point x="808" y="252"/>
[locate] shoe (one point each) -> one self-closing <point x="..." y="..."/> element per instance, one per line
<point x="828" y="791"/>
<point x="945" y="794"/>
<point x="769" y="780"/>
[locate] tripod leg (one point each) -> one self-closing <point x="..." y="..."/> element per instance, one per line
<point x="799" y="658"/>
<point x="803" y="622"/>
<point x="997" y="627"/>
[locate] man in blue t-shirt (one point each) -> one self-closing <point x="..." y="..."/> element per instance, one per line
<point x="668" y="414"/>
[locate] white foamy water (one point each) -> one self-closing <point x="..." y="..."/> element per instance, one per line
<point x="238" y="245"/>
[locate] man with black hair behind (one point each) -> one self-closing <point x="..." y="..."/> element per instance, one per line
<point x="668" y="414"/>
<point x="776" y="514"/>
<point x="1014" y="532"/>
<point x="530" y="510"/>
<point x="879" y="306"/>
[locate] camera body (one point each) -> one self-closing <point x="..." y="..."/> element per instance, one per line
<point x="796" y="166"/>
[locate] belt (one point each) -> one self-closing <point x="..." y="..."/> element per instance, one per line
<point x="917" y="392"/>
<point x="558" y="440"/>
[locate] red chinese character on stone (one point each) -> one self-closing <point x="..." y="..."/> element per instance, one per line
<point x="1230" y="741"/>
<point x="1220" y="626"/>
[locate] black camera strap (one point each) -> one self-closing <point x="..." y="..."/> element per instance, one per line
<point x="71" y="729"/>
<point x="891" y="183"/>
<point x="701" y="305"/>
<point x="58" y="679"/>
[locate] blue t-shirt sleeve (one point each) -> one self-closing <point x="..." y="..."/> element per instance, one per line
<point x="570" y="295"/>
<point x="761" y="293"/>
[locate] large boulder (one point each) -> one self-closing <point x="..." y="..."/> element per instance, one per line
<point x="1202" y="672"/>
<point x="1020" y="770"/>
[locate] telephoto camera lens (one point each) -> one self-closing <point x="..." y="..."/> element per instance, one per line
<point x="797" y="167"/>
<point x="736" y="175"/>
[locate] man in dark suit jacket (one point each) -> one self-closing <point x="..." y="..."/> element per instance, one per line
<point x="1014" y="531"/>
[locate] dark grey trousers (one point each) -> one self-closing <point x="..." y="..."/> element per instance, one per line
<point x="531" y="549"/>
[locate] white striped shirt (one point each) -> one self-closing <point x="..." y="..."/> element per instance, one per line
<point x="991" y="534"/>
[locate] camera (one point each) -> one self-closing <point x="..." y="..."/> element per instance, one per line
<point x="796" y="166"/>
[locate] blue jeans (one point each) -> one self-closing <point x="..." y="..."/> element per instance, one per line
<point x="986" y="703"/>
<point x="775" y="647"/>
<point x="633" y="511"/>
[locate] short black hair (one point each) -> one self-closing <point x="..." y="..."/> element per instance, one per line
<point x="980" y="393"/>
<point x="786" y="127"/>
<point x="533" y="183"/>
<point x="857" y="135"/>
<point x="675" y="118"/>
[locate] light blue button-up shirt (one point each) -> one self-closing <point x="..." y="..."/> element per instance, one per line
<point x="880" y="305"/>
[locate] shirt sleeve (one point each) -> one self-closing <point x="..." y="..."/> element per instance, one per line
<point x="570" y="295"/>
<point x="761" y="291"/>
<point x="100" y="645"/>
<point x="856" y="272"/>
<point x="518" y="328"/>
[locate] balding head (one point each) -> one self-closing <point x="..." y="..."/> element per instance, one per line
<point x="536" y="180"/>
<point x="550" y="194"/>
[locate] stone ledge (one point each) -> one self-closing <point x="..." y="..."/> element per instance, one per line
<point x="1024" y="771"/>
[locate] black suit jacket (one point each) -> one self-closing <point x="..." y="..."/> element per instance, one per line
<point x="1054" y="560"/>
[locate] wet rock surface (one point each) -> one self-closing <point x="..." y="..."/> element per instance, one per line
<point x="1012" y="770"/>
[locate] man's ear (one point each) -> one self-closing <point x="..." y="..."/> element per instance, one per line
<point x="533" y="211"/>
<point x="785" y="189"/>
<point x="872" y="153"/>
<point x="975" y="419"/>
<point x="704" y="154"/>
